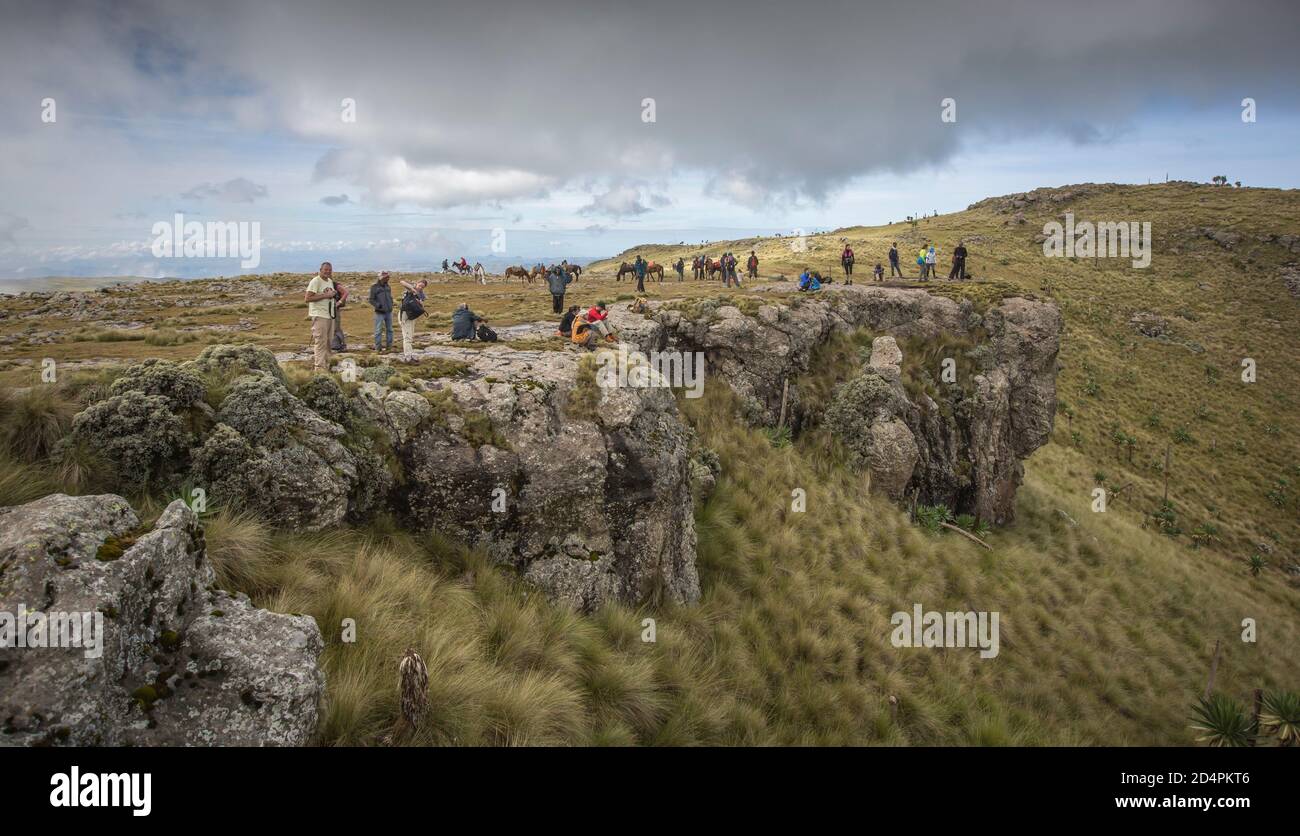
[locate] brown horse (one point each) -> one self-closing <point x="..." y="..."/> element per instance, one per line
<point x="713" y="267"/>
<point x="575" y="271"/>
<point x="521" y="272"/>
<point x="625" y="268"/>
<point x="655" y="269"/>
<point x="539" y="272"/>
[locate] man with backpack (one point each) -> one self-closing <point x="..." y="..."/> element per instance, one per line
<point x="320" y="297"/>
<point x="381" y="299"/>
<point x="680" y="267"/>
<point x="557" y="280"/>
<point x="893" y="261"/>
<point x="412" y="309"/>
<point x="751" y="266"/>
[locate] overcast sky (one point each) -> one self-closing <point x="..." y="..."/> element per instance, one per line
<point x="531" y="119"/>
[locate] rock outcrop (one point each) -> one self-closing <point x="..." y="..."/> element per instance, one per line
<point x="965" y="442"/>
<point x="585" y="489"/>
<point x="163" y="657"/>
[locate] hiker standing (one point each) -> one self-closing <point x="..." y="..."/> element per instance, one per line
<point x="893" y="261"/>
<point x="846" y="261"/>
<point x="557" y="280"/>
<point x="640" y="266"/>
<point x="320" y="309"/>
<point x="680" y="267"/>
<point x="920" y="261"/>
<point x="412" y="309"/>
<point x="381" y="299"/>
<point x="958" y="262"/>
<point x="931" y="262"/>
<point x="751" y="266"/>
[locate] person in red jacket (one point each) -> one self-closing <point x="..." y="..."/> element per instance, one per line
<point x="751" y="266"/>
<point x="598" y="316"/>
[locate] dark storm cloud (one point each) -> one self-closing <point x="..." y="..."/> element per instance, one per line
<point x="462" y="103"/>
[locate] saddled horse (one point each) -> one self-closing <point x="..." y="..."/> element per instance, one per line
<point x="538" y="272"/>
<point x="655" y="269"/>
<point x="462" y="269"/>
<point x="480" y="273"/>
<point x="627" y="269"/>
<point x="575" y="271"/>
<point x="711" y="267"/>
<point x="521" y="272"/>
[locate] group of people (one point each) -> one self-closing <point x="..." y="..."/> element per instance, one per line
<point x="326" y="298"/>
<point x="587" y="328"/>
<point x="927" y="260"/>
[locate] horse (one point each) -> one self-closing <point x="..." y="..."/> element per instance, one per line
<point x="653" y="268"/>
<point x="538" y="272"/>
<point x="625" y="268"/>
<point x="480" y="273"/>
<point x="463" y="269"/>
<point x="521" y="272"/>
<point x="575" y="271"/>
<point x="712" y="267"/>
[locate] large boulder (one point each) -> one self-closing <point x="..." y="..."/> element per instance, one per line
<point x="177" y="662"/>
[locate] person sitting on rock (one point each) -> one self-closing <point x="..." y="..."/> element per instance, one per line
<point x="566" y="322"/>
<point x="879" y="272"/>
<point x="583" y="334"/>
<point x="464" y="323"/>
<point x="598" y="316"/>
<point x="809" y="281"/>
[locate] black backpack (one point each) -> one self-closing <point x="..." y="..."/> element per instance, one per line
<point x="486" y="334"/>
<point x="411" y="307"/>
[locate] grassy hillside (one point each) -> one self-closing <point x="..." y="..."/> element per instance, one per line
<point x="1108" y="620"/>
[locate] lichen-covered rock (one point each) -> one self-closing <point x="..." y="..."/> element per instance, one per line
<point x="867" y="414"/>
<point x="162" y="671"/>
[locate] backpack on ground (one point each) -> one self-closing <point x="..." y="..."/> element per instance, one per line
<point x="486" y="334"/>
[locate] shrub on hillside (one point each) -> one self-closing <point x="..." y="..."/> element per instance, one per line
<point x="237" y="359"/>
<point x="257" y="407"/>
<point x="322" y="394"/>
<point x="138" y="435"/>
<point x="182" y="387"/>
